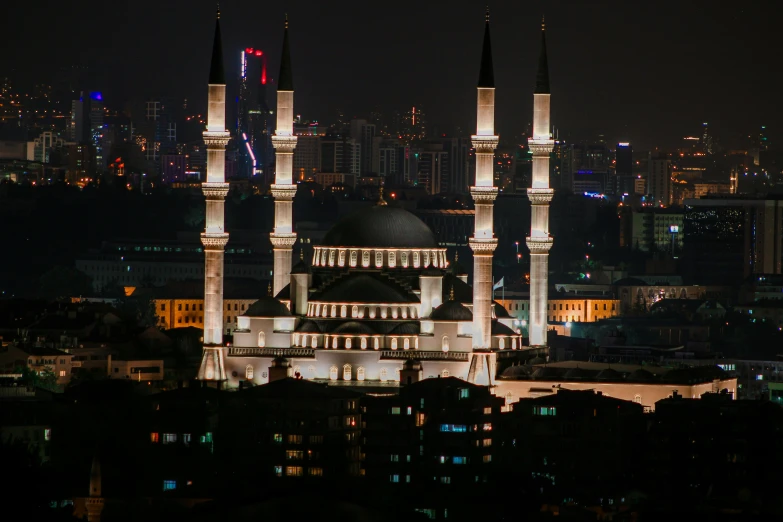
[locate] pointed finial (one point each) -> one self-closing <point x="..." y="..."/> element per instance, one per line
<point x="543" y="24"/>
<point x="381" y="201"/>
<point x="451" y="293"/>
<point x="286" y="20"/>
<point x="486" y="15"/>
<point x="269" y="289"/>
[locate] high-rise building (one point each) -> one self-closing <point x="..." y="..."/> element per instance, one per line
<point x="363" y="133"/>
<point x="623" y="169"/>
<point x="433" y="168"/>
<point x="86" y="125"/>
<point x="659" y="179"/>
<point x="307" y="157"/>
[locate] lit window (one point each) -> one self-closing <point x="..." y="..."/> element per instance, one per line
<point x="294" y="439"/>
<point x="444" y="343"/>
<point x="444" y="373"/>
<point x="278" y="438"/>
<point x="487" y="426"/>
<point x="278" y="471"/>
<point x="47" y="434"/>
<point x="343" y="311"/>
<point x="759" y="377"/>
<point x="394" y="343"/>
<point x="154" y="438"/>
<point x="392" y="260"/>
<point x="249" y="372"/>
<point x="333" y="373"/>
<point x="315" y="472"/>
<point x="454" y="428"/>
<point x="169" y="485"/>
<point x="261" y="339"/>
<point x="347" y="369"/>
<point x="294" y="455"/>
<point x="394" y="478"/>
<point x="293" y="471"/>
<point x="445" y="480"/>
<point x="341" y="258"/>
<point x="544" y="410"/>
<point x="62" y="373"/>
<point x="383" y="375"/>
<point x="365" y="259"/>
<point x="348" y="343"/>
<point x="459" y="460"/>
<point x="637" y="399"/>
<point x="486" y="458"/>
<point x="406" y="344"/>
<point x="360" y="371"/>
<point x="464" y="393"/>
<point x="394" y="458"/>
<point x="354" y="255"/>
<point x="396" y="410"/>
<point x="486" y="443"/>
<point x="169" y="438"/>
<point x="186" y="439"/>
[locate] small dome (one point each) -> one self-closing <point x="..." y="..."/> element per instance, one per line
<point x="544" y="372"/>
<point x="501" y="329"/>
<point x="515" y="372"/>
<point x="640" y="375"/>
<point x="409" y="328"/>
<point x="500" y="310"/>
<point x="354" y="327"/>
<point x="308" y="327"/>
<point x="451" y="311"/>
<point x="268" y="307"/>
<point x="608" y="374"/>
<point x="381" y="226"/>
<point x="575" y="374"/>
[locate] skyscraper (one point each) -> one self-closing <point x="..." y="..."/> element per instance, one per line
<point x="659" y="179"/>
<point x="540" y="195"/>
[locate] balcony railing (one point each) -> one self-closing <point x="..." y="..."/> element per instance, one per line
<point x="236" y="351"/>
<point x="422" y="355"/>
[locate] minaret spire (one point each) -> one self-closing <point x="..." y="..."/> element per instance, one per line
<point x="539" y="242"/>
<point x="486" y="71"/>
<point x="542" y="76"/>
<point x="94" y="501"/>
<point x="283" y="190"/>
<point x="483" y="242"/>
<point x="214" y="237"/>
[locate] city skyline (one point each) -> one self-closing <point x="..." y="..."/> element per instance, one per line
<point x="648" y="110"/>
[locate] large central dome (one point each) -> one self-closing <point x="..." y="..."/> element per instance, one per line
<point x="381" y="226"/>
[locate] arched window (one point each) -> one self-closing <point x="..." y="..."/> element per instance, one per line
<point x="444" y="373"/>
<point x="394" y="343"/>
<point x="305" y="337"/>
<point x="347" y="372"/>
<point x="364" y="343"/>
<point x="249" y="372"/>
<point x="354" y="255"/>
<point x="343" y="311"/>
<point x="347" y="343"/>
<point x="444" y="343"/>
<point x="378" y="259"/>
<point x="406" y="343"/>
<point x="334" y="310"/>
<point x="366" y="258"/>
<point x="392" y="259"/>
<point x="426" y="259"/>
<point x="413" y="312"/>
<point x="435" y="259"/>
<point x="331" y="257"/>
<point x="404" y="259"/>
<point x="502" y="343"/>
<point x="360" y="373"/>
<point x="333" y="373"/>
<point x="318" y="310"/>
<point x="296" y="339"/>
<point x="311" y="372"/>
<point x="383" y="375"/>
<point x="323" y="257"/>
<point x="354" y="311"/>
<point x="326" y="341"/>
<point x="314" y="342"/>
<point x="261" y="339"/>
<point x="395" y="312"/>
<point x="384" y="312"/>
<point x="341" y="258"/>
<point x="404" y="312"/>
<point x="415" y="260"/>
<point x="637" y="399"/>
<point x="513" y="343"/>
<point x="377" y="343"/>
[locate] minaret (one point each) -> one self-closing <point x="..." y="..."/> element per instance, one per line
<point x="284" y="190"/>
<point x="94" y="502"/>
<point x="540" y="195"/>
<point x="483" y="242"/>
<point x="214" y="236"/>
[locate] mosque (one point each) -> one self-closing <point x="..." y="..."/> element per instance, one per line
<point x="379" y="302"/>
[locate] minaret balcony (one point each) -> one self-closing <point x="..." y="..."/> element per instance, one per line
<point x="485" y="144"/>
<point x="540" y="196"/>
<point x="284" y="143"/>
<point x="539" y="245"/>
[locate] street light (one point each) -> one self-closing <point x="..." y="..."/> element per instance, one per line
<point x="518" y="256"/>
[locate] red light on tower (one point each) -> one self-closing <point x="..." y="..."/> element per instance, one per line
<point x="258" y="53"/>
<point x="263" y="71"/>
<point x="249" y="50"/>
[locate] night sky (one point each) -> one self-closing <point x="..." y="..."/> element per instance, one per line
<point x="647" y="73"/>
